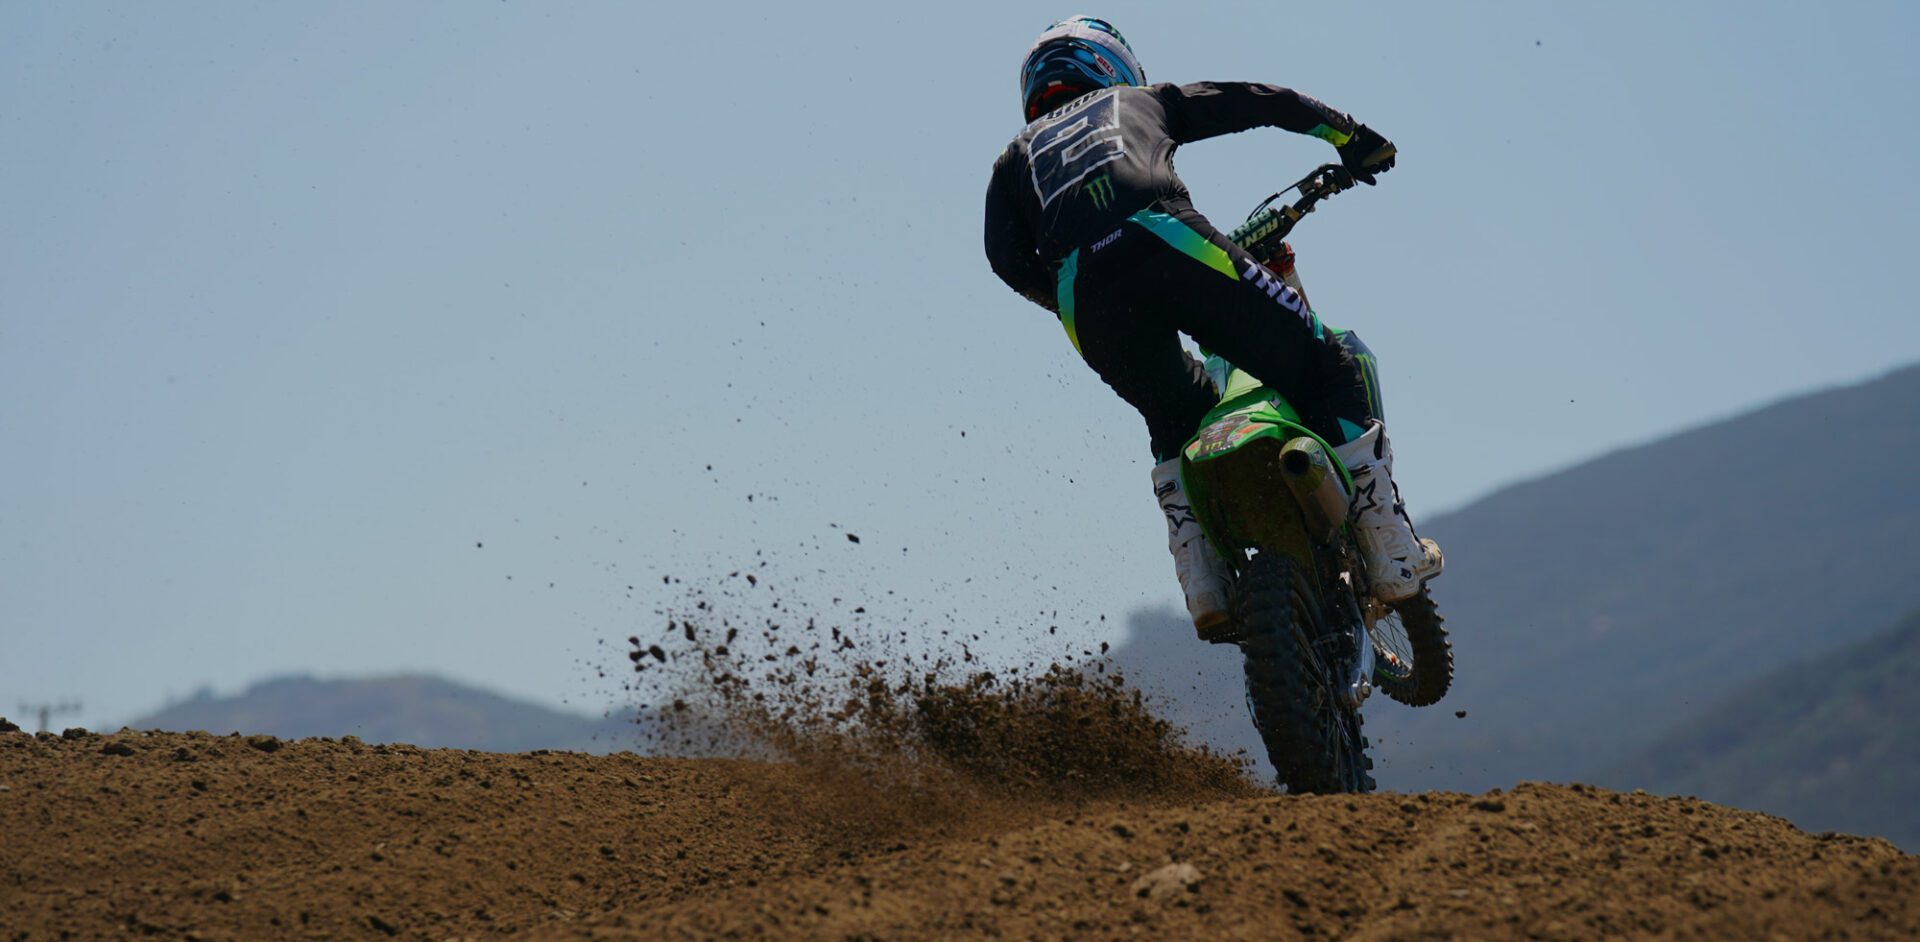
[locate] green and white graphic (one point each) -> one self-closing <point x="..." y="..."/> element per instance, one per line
<point x="1100" y="190"/>
<point x="1081" y="137"/>
<point x="1183" y="237"/>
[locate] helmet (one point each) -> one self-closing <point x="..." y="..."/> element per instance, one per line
<point x="1076" y="55"/>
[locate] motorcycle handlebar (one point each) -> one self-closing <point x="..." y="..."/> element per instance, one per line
<point x="1266" y="227"/>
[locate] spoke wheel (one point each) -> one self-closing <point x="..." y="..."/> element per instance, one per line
<point x="1413" y="660"/>
<point x="1294" y="672"/>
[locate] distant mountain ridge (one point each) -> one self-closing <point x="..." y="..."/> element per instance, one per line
<point x="1594" y="609"/>
<point x="1830" y="742"/>
<point x="423" y="710"/>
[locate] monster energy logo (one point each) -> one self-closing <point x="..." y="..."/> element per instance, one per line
<point x="1100" y="190"/>
<point x="1370" y="378"/>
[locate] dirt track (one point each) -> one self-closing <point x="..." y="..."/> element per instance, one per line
<point x="194" y="836"/>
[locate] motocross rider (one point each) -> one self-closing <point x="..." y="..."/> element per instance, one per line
<point x="1086" y="218"/>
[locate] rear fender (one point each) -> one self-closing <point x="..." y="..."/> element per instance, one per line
<point x="1231" y="470"/>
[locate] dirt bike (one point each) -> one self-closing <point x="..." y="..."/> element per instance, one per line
<point x="1274" y="501"/>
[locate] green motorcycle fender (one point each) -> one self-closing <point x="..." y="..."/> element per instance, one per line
<point x="1227" y="458"/>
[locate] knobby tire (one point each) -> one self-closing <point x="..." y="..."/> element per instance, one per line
<point x="1421" y="637"/>
<point x="1312" y="739"/>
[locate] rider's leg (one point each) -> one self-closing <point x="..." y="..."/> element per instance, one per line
<point x="1143" y="361"/>
<point x="1235" y="307"/>
<point x="1398" y="560"/>
<point x="1203" y="574"/>
<point x="1140" y="356"/>
<point x="1207" y="287"/>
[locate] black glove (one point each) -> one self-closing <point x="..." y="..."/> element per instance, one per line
<point x="1366" y="153"/>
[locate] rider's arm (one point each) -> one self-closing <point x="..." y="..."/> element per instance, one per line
<point x="1209" y="109"/>
<point x="1010" y="246"/>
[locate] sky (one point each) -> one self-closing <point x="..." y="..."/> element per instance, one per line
<point x="363" y="337"/>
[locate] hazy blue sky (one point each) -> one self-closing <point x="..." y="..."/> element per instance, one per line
<point x="300" y="303"/>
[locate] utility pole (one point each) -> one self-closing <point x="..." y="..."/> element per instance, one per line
<point x="47" y="711"/>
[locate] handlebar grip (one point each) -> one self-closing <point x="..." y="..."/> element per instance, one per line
<point x="1264" y="236"/>
<point x="1256" y="230"/>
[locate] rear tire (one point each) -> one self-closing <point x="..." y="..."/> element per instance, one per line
<point x="1294" y="668"/>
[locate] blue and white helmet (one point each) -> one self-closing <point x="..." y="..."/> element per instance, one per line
<point x="1076" y="55"/>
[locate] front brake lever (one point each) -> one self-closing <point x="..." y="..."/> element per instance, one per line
<point x="1325" y="181"/>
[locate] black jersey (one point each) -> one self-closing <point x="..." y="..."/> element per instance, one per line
<point x="1074" y="174"/>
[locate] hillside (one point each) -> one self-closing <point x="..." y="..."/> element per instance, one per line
<point x="196" y="836"/>
<point x="1831" y="743"/>
<point x="416" y="709"/>
<point x="1593" y="609"/>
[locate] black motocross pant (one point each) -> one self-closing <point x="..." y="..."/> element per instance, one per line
<point x="1125" y="299"/>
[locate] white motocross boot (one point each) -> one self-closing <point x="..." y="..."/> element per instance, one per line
<point x="1203" y="574"/>
<point x="1398" y="560"/>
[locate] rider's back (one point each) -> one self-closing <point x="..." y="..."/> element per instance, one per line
<point x="1075" y="173"/>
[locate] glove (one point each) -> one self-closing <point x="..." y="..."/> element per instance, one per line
<point x="1366" y="153"/>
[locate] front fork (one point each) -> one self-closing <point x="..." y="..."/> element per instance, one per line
<point x="1358" y="685"/>
<point x="1360" y="679"/>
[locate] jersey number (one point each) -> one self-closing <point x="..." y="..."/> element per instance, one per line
<point x="1081" y="140"/>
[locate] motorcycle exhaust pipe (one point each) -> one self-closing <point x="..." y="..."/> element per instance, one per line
<point x="1309" y="473"/>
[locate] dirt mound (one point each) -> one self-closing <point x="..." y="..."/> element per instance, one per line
<point x="903" y="737"/>
<point x="194" y="836"/>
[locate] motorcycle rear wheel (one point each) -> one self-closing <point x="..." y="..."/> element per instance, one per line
<point x="1294" y="672"/>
